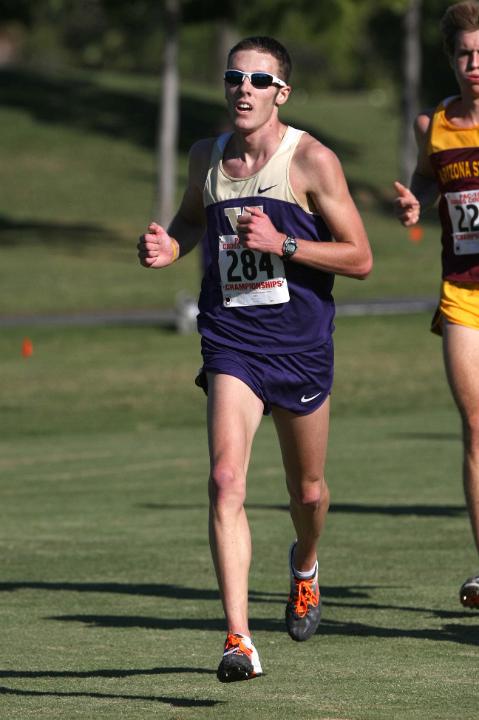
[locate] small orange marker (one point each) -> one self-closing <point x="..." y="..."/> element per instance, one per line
<point x="416" y="233"/>
<point x="27" y="347"/>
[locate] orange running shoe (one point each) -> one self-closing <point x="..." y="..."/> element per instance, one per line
<point x="303" y="609"/>
<point x="240" y="660"/>
<point x="469" y="593"/>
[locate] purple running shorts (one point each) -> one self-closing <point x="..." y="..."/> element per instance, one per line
<point x="299" y="382"/>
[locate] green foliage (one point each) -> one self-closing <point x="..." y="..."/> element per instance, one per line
<point x="438" y="77"/>
<point x="341" y="44"/>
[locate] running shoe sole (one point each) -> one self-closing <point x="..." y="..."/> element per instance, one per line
<point x="235" y="669"/>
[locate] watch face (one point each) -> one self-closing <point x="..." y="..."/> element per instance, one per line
<point x="290" y="246"/>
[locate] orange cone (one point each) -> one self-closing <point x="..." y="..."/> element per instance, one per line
<point x="27" y="347"/>
<point x="416" y="233"/>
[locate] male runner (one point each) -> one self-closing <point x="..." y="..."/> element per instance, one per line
<point x="448" y="168"/>
<point x="280" y="222"/>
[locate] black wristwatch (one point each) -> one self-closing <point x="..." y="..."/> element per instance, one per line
<point x="290" y="246"/>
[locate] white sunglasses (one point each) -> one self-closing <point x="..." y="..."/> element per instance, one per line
<point x="257" y="79"/>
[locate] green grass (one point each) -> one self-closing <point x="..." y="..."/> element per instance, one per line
<point x="135" y="379"/>
<point x="108" y="599"/>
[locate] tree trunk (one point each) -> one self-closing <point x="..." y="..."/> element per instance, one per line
<point x="167" y="136"/>
<point x="410" y="89"/>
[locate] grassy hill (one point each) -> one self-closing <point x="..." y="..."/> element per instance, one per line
<point x="78" y="182"/>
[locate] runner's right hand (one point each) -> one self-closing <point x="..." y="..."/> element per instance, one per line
<point x="406" y="205"/>
<point x="157" y="249"/>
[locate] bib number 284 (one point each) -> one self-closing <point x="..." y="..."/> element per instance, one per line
<point x="249" y="277"/>
<point x="243" y="265"/>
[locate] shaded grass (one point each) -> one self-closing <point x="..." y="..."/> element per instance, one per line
<point x="78" y="184"/>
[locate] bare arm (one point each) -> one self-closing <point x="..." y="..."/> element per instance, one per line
<point x="424" y="190"/>
<point x="159" y="247"/>
<point x="317" y="179"/>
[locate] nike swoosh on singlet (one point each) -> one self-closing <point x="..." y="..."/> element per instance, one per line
<point x="263" y="190"/>
<point x="305" y="399"/>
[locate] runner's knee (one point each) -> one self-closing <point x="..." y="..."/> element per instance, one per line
<point x="226" y="487"/>
<point x="310" y="492"/>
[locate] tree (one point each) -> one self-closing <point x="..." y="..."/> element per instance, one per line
<point x="411" y="80"/>
<point x="167" y="136"/>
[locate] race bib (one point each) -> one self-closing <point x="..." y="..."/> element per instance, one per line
<point x="463" y="210"/>
<point x="249" y="277"/>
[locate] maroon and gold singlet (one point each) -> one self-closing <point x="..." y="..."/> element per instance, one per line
<point x="454" y="155"/>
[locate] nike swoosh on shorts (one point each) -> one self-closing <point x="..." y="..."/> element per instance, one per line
<point x="305" y="399"/>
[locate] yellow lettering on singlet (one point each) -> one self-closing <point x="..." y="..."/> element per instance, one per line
<point x="458" y="170"/>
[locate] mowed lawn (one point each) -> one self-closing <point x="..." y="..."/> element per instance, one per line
<point x="108" y="600"/>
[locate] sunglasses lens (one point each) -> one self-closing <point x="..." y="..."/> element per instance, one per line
<point x="258" y="79"/>
<point x="261" y="80"/>
<point x="233" y="77"/>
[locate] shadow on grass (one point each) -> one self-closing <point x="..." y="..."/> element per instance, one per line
<point x="145" y="589"/>
<point x="84" y="105"/>
<point x="418" y="510"/>
<point x="174" y="591"/>
<point x="78" y="235"/>
<point x="155" y="623"/>
<point x="178" y="591"/>
<point x="110" y="673"/>
<point x="174" y="701"/>
<point x="442" y="614"/>
<point x="459" y="633"/>
<point x="349" y="508"/>
<point x="456" y="633"/>
<point x="465" y="634"/>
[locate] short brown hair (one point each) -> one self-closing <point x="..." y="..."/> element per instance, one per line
<point x="460" y="16"/>
<point x="268" y="45"/>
